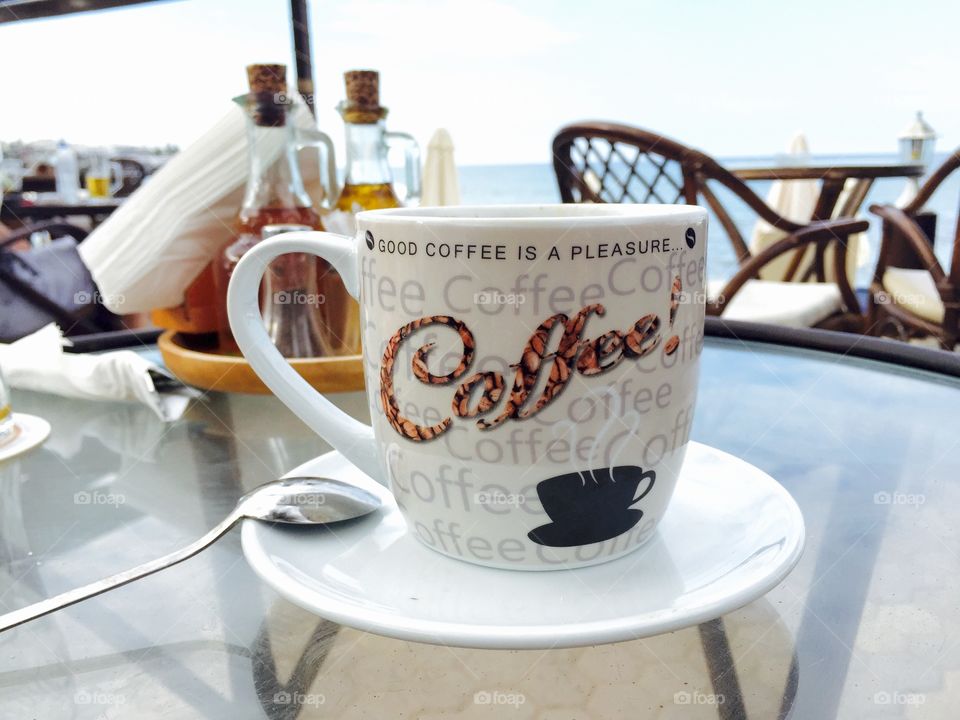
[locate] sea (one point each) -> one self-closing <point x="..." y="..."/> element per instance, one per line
<point x="536" y="183"/>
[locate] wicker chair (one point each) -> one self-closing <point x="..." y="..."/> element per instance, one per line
<point x="912" y="295"/>
<point x="610" y="163"/>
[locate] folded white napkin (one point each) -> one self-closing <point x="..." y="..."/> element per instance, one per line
<point x="152" y="247"/>
<point x="37" y="362"/>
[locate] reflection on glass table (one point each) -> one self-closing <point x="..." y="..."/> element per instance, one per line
<point x="865" y="626"/>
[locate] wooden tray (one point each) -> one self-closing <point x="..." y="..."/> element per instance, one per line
<point x="198" y="366"/>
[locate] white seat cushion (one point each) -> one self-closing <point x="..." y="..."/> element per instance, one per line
<point x="790" y="304"/>
<point x="914" y="290"/>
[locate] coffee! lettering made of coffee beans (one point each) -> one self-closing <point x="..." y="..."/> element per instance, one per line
<point x="574" y="354"/>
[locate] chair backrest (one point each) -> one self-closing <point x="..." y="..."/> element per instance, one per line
<point x="933" y="183"/>
<point x="907" y="241"/>
<point x="608" y="162"/>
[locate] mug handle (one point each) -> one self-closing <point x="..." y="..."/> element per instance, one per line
<point x="352" y="438"/>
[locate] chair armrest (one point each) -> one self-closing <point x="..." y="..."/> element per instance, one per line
<point x="837" y="231"/>
<point x="915" y="238"/>
<point x="729" y="179"/>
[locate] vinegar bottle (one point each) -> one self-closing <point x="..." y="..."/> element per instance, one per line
<point x="275" y="194"/>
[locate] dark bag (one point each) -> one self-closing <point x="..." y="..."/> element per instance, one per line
<point x="46" y="284"/>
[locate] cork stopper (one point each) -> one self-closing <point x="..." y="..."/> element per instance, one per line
<point x="267" y="78"/>
<point x="268" y="97"/>
<point x="363" y="97"/>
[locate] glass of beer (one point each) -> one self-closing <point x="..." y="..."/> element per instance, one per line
<point x="99" y="174"/>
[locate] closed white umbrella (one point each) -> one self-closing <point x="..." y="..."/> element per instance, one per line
<point x="441" y="185"/>
<point x="794" y="200"/>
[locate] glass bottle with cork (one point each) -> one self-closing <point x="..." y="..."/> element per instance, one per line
<point x="368" y="183"/>
<point x="275" y="196"/>
<point x="274" y="193"/>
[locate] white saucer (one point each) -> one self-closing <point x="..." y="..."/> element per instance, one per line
<point x="29" y="431"/>
<point x="730" y="534"/>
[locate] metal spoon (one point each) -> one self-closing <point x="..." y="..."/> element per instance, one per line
<point x="300" y="501"/>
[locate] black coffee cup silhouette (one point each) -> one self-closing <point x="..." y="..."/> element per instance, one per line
<point x="591" y="506"/>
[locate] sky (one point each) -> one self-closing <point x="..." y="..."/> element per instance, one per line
<point x="733" y="78"/>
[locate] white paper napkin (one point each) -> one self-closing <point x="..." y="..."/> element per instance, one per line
<point x="38" y="362"/>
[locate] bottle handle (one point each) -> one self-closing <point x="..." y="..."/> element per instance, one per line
<point x="311" y="137"/>
<point x="411" y="157"/>
<point x="352" y="438"/>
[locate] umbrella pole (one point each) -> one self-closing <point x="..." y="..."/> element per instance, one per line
<point x="301" y="50"/>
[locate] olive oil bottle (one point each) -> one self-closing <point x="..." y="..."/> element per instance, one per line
<point x="368" y="183"/>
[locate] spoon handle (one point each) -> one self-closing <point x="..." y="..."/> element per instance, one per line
<point x="65" y="599"/>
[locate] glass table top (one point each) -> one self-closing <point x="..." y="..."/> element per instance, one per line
<point x="867" y="625"/>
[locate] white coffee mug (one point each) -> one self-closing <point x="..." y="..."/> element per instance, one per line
<point x="531" y="371"/>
